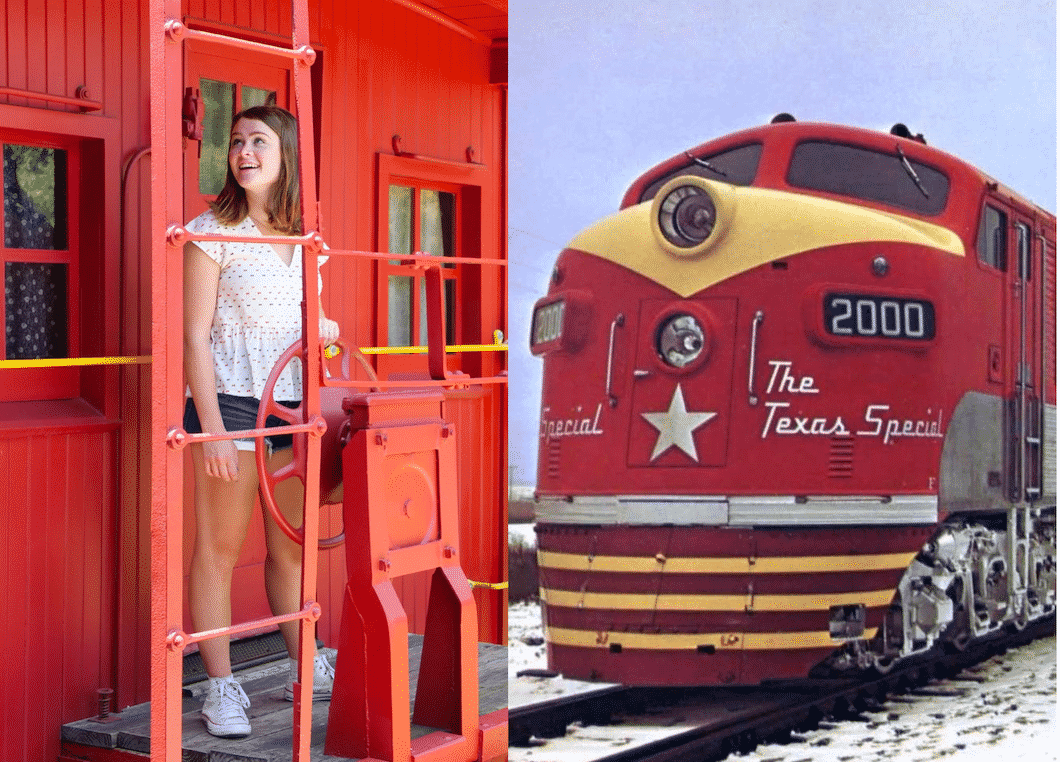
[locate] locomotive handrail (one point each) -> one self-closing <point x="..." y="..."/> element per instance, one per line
<point x="619" y="321"/>
<point x="758" y="318"/>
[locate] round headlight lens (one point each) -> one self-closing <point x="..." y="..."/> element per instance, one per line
<point x="681" y="340"/>
<point x="687" y="216"/>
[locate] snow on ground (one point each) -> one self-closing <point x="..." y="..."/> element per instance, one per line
<point x="522" y="534"/>
<point x="1010" y="715"/>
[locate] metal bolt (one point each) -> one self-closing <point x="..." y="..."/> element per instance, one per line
<point x="104" y="695"/>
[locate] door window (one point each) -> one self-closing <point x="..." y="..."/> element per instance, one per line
<point x="226" y="87"/>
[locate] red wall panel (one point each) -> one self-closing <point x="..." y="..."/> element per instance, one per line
<point x="77" y="503"/>
<point x="57" y="571"/>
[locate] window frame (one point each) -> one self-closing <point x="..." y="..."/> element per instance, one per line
<point x="388" y="268"/>
<point x="466" y="182"/>
<point x="54" y="382"/>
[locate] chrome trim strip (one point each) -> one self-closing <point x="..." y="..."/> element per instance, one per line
<point x="717" y="510"/>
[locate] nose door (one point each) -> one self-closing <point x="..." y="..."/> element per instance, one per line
<point x="682" y="384"/>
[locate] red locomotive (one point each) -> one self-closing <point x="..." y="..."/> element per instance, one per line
<point x="798" y="412"/>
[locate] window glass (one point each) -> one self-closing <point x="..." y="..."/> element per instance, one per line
<point x="869" y="175"/>
<point x="255" y="96"/>
<point x="34" y="197"/>
<point x="35" y="310"/>
<point x="450" y="310"/>
<point x="423" y="220"/>
<point x="218" y="101"/>
<point x="399" y="223"/>
<point x="399" y="311"/>
<point x="992" y="238"/>
<point x="436" y="222"/>
<point x="736" y="166"/>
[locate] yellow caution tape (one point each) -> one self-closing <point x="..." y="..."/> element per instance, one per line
<point x="66" y="362"/>
<point x="489" y="585"/>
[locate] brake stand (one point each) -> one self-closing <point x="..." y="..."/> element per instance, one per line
<point x="400" y="511"/>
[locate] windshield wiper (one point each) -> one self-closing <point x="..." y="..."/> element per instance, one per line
<point x="910" y="171"/>
<point x="707" y="164"/>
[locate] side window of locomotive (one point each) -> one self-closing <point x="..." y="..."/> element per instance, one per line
<point x="737" y="166"/>
<point x="992" y="237"/>
<point x="886" y="178"/>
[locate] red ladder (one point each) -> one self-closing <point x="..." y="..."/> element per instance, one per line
<point x="167" y="33"/>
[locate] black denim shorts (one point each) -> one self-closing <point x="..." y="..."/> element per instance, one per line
<point x="240" y="414"/>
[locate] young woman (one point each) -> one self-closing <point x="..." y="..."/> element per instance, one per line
<point x="242" y="308"/>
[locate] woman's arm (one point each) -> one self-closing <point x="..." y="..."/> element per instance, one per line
<point x="201" y="275"/>
<point x="329" y="329"/>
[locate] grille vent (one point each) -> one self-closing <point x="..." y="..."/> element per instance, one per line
<point x="553" y="458"/>
<point x="841" y="458"/>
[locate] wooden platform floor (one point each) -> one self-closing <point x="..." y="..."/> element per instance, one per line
<point x="270" y="715"/>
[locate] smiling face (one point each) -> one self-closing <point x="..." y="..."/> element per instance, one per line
<point x="254" y="155"/>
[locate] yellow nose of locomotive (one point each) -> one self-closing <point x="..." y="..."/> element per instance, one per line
<point x="705" y="231"/>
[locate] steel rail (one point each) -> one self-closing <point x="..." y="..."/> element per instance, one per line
<point x="767" y="712"/>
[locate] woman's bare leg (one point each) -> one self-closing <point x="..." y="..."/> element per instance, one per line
<point x="222" y="514"/>
<point x="283" y="562"/>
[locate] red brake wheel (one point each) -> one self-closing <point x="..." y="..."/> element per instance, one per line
<point x="331" y="408"/>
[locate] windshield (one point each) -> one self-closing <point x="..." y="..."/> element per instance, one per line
<point x="736" y="167"/>
<point x="888" y="178"/>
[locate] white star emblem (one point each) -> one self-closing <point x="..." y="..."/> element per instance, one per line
<point x="675" y="427"/>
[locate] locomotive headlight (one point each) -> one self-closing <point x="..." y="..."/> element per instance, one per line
<point x="687" y="216"/>
<point x="690" y="214"/>
<point x="681" y="340"/>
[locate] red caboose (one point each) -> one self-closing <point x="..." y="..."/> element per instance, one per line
<point x="814" y="417"/>
<point x="407" y="102"/>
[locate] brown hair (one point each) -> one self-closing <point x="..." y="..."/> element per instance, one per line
<point x="284" y="204"/>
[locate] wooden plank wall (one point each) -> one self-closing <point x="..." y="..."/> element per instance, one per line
<point x="385" y="70"/>
<point x="57" y="560"/>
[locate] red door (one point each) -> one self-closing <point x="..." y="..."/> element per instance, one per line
<point x="228" y="82"/>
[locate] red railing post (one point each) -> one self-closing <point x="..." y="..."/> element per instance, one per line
<point x="166" y="377"/>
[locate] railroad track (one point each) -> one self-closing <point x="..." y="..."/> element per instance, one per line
<point x="717" y="722"/>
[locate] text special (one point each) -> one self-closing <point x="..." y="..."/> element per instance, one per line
<point x="577" y="426"/>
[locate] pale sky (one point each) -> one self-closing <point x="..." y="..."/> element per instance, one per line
<point x="602" y="91"/>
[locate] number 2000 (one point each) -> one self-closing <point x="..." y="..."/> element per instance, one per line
<point x="873" y="316"/>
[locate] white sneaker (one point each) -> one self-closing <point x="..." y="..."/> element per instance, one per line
<point x="223" y="709"/>
<point x="323" y="680"/>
